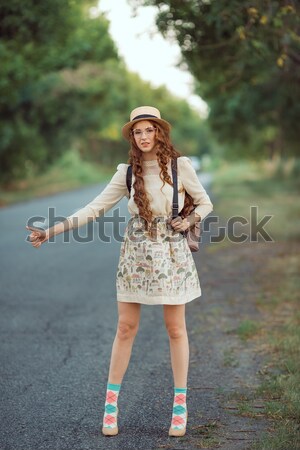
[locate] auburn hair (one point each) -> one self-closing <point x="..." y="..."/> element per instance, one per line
<point x="164" y="151"/>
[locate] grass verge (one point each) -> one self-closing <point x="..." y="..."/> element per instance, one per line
<point x="238" y="186"/>
<point x="281" y="377"/>
<point x="275" y="192"/>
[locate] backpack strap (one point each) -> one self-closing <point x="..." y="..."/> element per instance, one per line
<point x="175" y="189"/>
<point x="129" y="178"/>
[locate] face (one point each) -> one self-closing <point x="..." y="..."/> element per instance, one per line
<point x="145" y="135"/>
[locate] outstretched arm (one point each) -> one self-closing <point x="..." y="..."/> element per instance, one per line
<point x="113" y="192"/>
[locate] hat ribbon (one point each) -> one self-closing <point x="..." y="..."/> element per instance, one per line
<point x="144" y="116"/>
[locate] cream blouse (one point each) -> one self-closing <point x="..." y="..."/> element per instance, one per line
<point x="160" y="197"/>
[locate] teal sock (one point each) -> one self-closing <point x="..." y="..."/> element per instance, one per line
<point x="111" y="409"/>
<point x="179" y="416"/>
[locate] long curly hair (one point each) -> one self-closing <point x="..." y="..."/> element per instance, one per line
<point x="164" y="151"/>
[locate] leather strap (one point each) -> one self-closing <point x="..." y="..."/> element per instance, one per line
<point x="129" y="178"/>
<point x="175" y="189"/>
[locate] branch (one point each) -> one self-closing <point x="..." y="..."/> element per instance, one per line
<point x="294" y="56"/>
<point x="218" y="44"/>
<point x="231" y="82"/>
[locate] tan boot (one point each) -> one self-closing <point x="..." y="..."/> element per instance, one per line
<point x="178" y="433"/>
<point x="107" y="431"/>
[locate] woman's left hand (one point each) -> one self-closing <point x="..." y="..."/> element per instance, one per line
<point x="180" y="224"/>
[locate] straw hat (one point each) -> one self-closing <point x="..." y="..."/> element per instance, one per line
<point x="144" y="113"/>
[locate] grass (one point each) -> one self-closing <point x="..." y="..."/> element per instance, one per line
<point x="274" y="188"/>
<point x="286" y="437"/>
<point x="229" y="358"/>
<point x="69" y="172"/>
<point x="279" y="390"/>
<point x="238" y="186"/>
<point x="247" y="329"/>
<point x="281" y="385"/>
<point x="207" y="435"/>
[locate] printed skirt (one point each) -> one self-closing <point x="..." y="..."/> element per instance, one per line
<point x="157" y="269"/>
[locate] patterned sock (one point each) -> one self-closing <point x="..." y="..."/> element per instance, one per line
<point x="110" y="413"/>
<point x="179" y="415"/>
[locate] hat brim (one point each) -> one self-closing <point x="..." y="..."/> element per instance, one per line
<point x="127" y="127"/>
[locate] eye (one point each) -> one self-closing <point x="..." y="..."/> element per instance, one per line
<point x="137" y="132"/>
<point x="149" y="130"/>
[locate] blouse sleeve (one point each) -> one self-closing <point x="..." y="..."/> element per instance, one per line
<point x="194" y="187"/>
<point x="110" y="196"/>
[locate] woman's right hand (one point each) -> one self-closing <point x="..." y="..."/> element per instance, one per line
<point x="37" y="236"/>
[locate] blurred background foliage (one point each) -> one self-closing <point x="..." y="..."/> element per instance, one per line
<point x="63" y="86"/>
<point x="245" y="57"/>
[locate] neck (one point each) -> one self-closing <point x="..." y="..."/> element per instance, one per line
<point x="149" y="157"/>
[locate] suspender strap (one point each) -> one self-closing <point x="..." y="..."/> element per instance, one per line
<point x="175" y="189"/>
<point x="129" y="178"/>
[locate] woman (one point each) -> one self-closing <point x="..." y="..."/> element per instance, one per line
<point x="156" y="265"/>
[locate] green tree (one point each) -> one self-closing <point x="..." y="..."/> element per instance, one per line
<point x="245" y="58"/>
<point x="38" y="40"/>
<point x="62" y="83"/>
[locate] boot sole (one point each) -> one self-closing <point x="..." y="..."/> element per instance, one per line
<point x="111" y="431"/>
<point x="178" y="433"/>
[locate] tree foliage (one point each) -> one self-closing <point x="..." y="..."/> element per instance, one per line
<point x="38" y="39"/>
<point x="62" y="83"/>
<point x="245" y="57"/>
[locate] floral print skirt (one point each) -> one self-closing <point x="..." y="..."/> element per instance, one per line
<point x="157" y="269"/>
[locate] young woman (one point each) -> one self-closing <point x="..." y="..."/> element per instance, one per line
<point x="156" y="266"/>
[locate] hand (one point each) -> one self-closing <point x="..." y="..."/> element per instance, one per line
<point x="180" y="224"/>
<point x="38" y="236"/>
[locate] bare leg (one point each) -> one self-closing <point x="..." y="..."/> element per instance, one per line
<point x="128" y="323"/>
<point x="174" y="316"/>
<point x="179" y="347"/>
<point x="129" y="315"/>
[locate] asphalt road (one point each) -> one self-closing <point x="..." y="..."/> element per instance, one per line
<point x="58" y="321"/>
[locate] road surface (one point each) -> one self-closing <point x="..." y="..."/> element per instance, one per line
<point x="58" y="321"/>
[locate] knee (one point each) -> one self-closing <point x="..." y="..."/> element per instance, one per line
<point x="126" y="330"/>
<point x="176" y="331"/>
